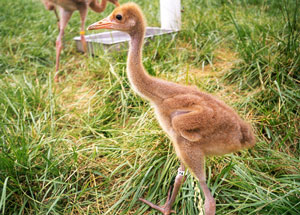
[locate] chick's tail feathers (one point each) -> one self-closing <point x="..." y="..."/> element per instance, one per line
<point x="248" y="138"/>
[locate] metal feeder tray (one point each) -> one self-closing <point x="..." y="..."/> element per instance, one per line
<point x="115" y="40"/>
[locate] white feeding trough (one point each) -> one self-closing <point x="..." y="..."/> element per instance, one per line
<point x="170" y="15"/>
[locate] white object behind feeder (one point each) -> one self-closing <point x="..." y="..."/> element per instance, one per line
<point x="170" y="14"/>
<point x="170" y="17"/>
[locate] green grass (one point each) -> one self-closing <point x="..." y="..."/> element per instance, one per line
<point x="90" y="145"/>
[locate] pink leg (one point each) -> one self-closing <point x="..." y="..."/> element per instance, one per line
<point x="83" y="12"/>
<point x="65" y="17"/>
<point x="166" y="209"/>
<point x="57" y="17"/>
<point x="210" y="203"/>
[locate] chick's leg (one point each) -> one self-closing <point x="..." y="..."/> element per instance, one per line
<point x="166" y="209"/>
<point x="199" y="170"/>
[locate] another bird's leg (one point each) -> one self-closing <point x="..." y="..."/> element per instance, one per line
<point x="65" y="17"/>
<point x="57" y="17"/>
<point x="83" y="12"/>
<point x="166" y="208"/>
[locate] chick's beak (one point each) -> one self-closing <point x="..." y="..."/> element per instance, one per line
<point x="117" y="4"/>
<point x="102" y="24"/>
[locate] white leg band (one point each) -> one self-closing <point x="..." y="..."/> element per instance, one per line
<point x="180" y="172"/>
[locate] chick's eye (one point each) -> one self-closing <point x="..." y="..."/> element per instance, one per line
<point x="119" y="17"/>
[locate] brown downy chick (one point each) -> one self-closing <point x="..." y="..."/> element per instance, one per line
<point x="197" y="123"/>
